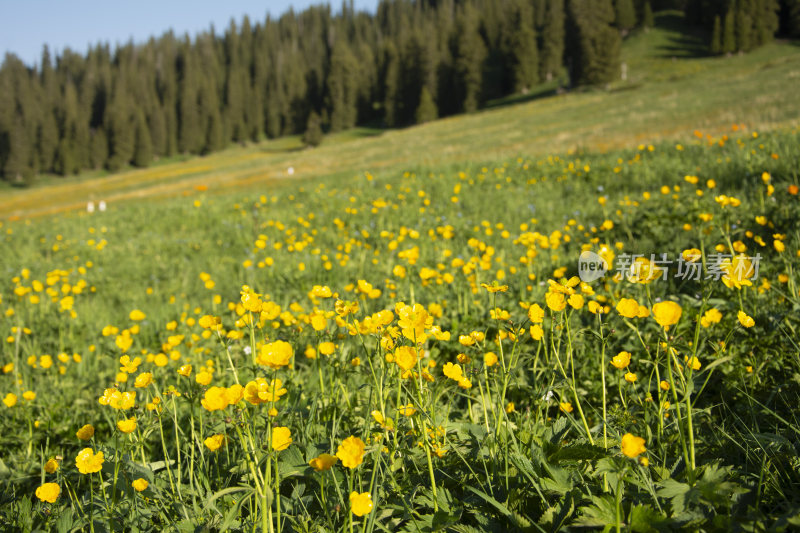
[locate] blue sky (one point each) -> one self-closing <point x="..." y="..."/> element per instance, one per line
<point x="26" y="25"/>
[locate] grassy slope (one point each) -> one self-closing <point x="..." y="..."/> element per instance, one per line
<point x="671" y="90"/>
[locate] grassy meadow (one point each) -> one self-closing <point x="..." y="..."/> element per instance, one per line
<point x="397" y="337"/>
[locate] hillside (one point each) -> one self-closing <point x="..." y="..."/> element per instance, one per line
<point x="670" y="92"/>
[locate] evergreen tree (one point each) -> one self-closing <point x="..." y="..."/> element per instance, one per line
<point x="519" y="43"/>
<point x="729" y="33"/>
<point x="158" y="131"/>
<point x="426" y="111"/>
<point x="744" y="26"/>
<point x="469" y="54"/>
<point x="143" y="150"/>
<point x="342" y="88"/>
<point x="121" y="136"/>
<point x="625" y="15"/>
<point x="648" y="21"/>
<point x="98" y="150"/>
<point x="716" y="37"/>
<point x="313" y="134"/>
<point x="391" y="77"/>
<point x="552" y="57"/>
<point x="593" y="46"/>
<point x="17" y="166"/>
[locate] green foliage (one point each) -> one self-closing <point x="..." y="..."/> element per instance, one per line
<point x="313" y="134"/>
<point x="625" y="15"/>
<point x="593" y="44"/>
<point x="552" y="53"/>
<point x="427" y="107"/>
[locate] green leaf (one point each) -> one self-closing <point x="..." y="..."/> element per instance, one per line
<point x="578" y="452"/>
<point x="645" y="519"/>
<point x="488" y="499"/>
<point x="602" y="512"/>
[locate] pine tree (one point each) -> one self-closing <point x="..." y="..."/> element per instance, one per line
<point x="313" y="134"/>
<point x="593" y="46"/>
<point x="426" y="111"/>
<point x="98" y="150"/>
<point x="716" y="37"/>
<point x="391" y="77"/>
<point x="121" y="136"/>
<point x="648" y="21"/>
<point x="744" y="25"/>
<point x="729" y="33"/>
<point x="158" y="131"/>
<point x="17" y="167"/>
<point x="470" y="52"/>
<point x="519" y="44"/>
<point x="143" y="150"/>
<point x="552" y="57"/>
<point x="625" y="15"/>
<point x="342" y="88"/>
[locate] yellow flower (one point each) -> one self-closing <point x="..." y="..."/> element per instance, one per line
<point x="281" y="438"/>
<point x="494" y="287"/>
<point x="667" y="313"/>
<point x="323" y="462"/>
<point x="555" y="301"/>
<point x="136" y="315"/>
<point x="127" y="426"/>
<point x="185" y="370"/>
<point x="318" y="321"/>
<point x="140" y="484"/>
<point x="746" y="320"/>
<point x="628" y="308"/>
<point x="630" y="377"/>
<point x="143" y="380"/>
<point x="204" y="378"/>
<point x="351" y="452"/>
<point x="510" y="407"/>
<point x="275" y="354"/>
<point x="86" y="432"/>
<point x="51" y="466"/>
<point x="89" y="462"/>
<point x="644" y="271"/>
<point x="48" y="492"/>
<point x="10" y="400"/>
<point x="738" y="272"/>
<point x="537" y="332"/>
<point x="536" y="313"/>
<point x="360" y="504"/>
<point x="712" y="316"/>
<point x="632" y="446"/>
<point x="261" y="391"/>
<point x="664" y="385"/>
<point x="407" y="410"/>
<point x="692" y="255"/>
<point x="693" y="362"/>
<point x="210" y="322"/>
<point x="405" y="357"/>
<point x="621" y="360"/>
<point x="413" y="321"/>
<point x="214" y="442"/>
<point x="575" y="301"/>
<point x="215" y="399"/>
<point x="29" y="395"/>
<point x="490" y="358"/>
<point x="452" y="371"/>
<point x="565" y="406"/>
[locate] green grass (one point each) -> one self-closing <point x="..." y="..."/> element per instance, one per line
<point x="369" y="211"/>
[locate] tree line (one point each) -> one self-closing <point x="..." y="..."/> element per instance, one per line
<point x="409" y="62"/>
